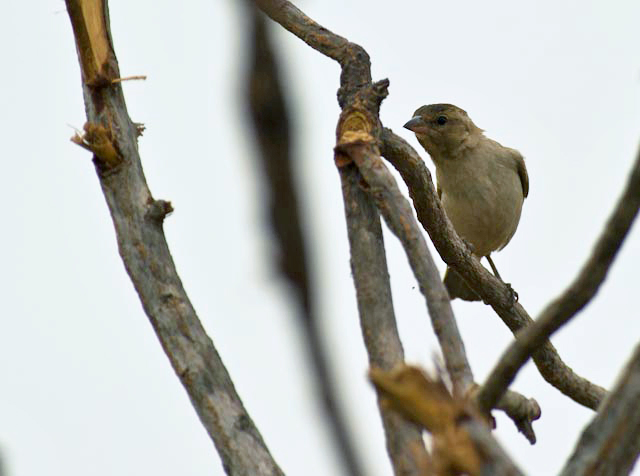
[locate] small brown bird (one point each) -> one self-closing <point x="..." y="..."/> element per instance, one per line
<point x="481" y="184"/>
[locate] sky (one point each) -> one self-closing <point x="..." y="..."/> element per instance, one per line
<point x="86" y="388"/>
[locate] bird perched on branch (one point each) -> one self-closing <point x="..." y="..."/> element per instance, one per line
<point x="481" y="183"/>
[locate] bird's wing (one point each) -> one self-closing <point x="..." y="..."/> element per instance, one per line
<point x="517" y="161"/>
<point x="522" y="173"/>
<point x="521" y="168"/>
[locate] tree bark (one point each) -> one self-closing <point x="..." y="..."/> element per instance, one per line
<point x="137" y="216"/>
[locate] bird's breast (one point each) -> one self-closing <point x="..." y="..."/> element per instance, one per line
<point x="483" y="199"/>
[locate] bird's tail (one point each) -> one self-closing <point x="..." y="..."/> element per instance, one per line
<point x="458" y="288"/>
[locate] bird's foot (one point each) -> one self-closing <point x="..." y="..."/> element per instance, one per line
<point x="513" y="295"/>
<point x="469" y="245"/>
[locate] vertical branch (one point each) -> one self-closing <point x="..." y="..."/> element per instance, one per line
<point x="368" y="261"/>
<point x="138" y="220"/>
<point x="377" y="318"/>
<point x="398" y="215"/>
<point x="269" y="114"/>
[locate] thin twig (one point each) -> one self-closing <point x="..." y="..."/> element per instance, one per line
<point x="139" y="77"/>
<point x="576" y="296"/>
<point x="493" y="291"/>
<point x="271" y="122"/>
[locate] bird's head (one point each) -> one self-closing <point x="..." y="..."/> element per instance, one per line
<point x="443" y="130"/>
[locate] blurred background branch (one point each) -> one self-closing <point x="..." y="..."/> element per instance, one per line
<point x="270" y="118"/>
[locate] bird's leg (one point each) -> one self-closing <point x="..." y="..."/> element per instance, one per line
<point x="514" y="294"/>
<point x="493" y="268"/>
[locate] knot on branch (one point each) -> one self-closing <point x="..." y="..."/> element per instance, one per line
<point x="369" y="97"/>
<point x="381" y="90"/>
<point x="140" y="128"/>
<point x="158" y="211"/>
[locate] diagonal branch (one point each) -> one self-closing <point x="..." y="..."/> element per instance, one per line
<point x="271" y="123"/>
<point x="611" y="443"/>
<point x="398" y="215"/>
<point x="353" y="59"/>
<point x="138" y="219"/>
<point x="494" y="292"/>
<point x="313" y="34"/>
<point x="368" y="261"/>
<point x="577" y="295"/>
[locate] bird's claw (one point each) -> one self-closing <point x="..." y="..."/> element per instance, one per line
<point x="513" y="295"/>
<point x="469" y="245"/>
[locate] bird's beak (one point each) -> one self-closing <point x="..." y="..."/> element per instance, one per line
<point x="416" y="124"/>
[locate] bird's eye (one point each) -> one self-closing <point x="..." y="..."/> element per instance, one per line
<point x="442" y="120"/>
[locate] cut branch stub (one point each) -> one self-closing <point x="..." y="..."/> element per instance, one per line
<point x="99" y="140"/>
<point x="359" y="121"/>
<point x="97" y="60"/>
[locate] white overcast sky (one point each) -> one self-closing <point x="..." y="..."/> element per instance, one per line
<point x="85" y="387"/>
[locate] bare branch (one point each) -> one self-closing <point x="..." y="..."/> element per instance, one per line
<point x="313" y="34"/>
<point x="610" y="445"/>
<point x="354" y="60"/>
<point x="494" y="292"/>
<point x="462" y="442"/>
<point x="398" y="215"/>
<point x="337" y="48"/>
<point x="138" y="219"/>
<point x="271" y="122"/>
<point x="576" y="296"/>
<point x="377" y="319"/>
<point x="397" y="212"/>
<point x="522" y="410"/>
<point x="399" y="218"/>
<point x="368" y="262"/>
